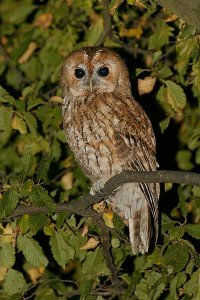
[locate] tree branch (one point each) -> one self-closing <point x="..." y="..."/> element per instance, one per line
<point x="105" y="233"/>
<point x="189" y="11"/>
<point x="107" y="23"/>
<point x="82" y="206"/>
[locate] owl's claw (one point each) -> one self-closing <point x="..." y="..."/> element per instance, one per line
<point x="97" y="187"/>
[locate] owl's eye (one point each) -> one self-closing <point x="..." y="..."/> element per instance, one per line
<point x="103" y="72"/>
<point x="79" y="73"/>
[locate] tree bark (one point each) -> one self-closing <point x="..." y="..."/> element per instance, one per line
<point x="188" y="10"/>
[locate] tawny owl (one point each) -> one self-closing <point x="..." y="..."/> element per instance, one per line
<point x="109" y="132"/>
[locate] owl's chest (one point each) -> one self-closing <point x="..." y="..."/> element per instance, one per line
<point x="92" y="137"/>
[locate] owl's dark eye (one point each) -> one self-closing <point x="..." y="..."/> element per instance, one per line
<point x="79" y="73"/>
<point x="103" y="72"/>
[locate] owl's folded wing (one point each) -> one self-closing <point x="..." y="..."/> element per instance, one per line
<point x="137" y="146"/>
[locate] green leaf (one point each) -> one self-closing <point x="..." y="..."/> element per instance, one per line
<point x="20" y="106"/>
<point x="5" y="124"/>
<point x="150" y="287"/>
<point x="49" y="116"/>
<point x="136" y="277"/>
<point x="165" y="72"/>
<point x="192" y="286"/>
<point x="26" y="188"/>
<point x="156" y="56"/>
<point x="94" y="33"/>
<point x="32" y="251"/>
<point x="155" y="257"/>
<point x="114" y="4"/>
<point x="9" y="201"/>
<point x="49" y="230"/>
<point x="175" y="95"/>
<point x="184" y="50"/>
<point x="196" y="191"/>
<point x="176" y="232"/>
<point x="184" y="158"/>
<point x="167" y="223"/>
<point x="85" y="288"/>
<point x="14" y="282"/>
<point x="50" y="59"/>
<point x="193" y="230"/>
<point x="177" y="256"/>
<point x="187" y="31"/>
<point x="196" y="74"/>
<point x="95" y="264"/>
<point x="40" y="198"/>
<point x="43" y="167"/>
<point x="19" y="124"/>
<point x="5" y="97"/>
<point x="37" y="221"/>
<point x="190" y="266"/>
<point x="115" y="243"/>
<point x="20" y="13"/>
<point x="194" y="140"/>
<point x="184" y="193"/>
<point x="28" y="164"/>
<point x="31" y="122"/>
<point x="76" y="241"/>
<point x="7" y="255"/>
<point x="197" y="157"/>
<point x="24" y="224"/>
<point x="14" y="78"/>
<point x="176" y="283"/>
<point x="164" y="124"/>
<point x="61" y="250"/>
<point x="32" y="69"/>
<point x="161" y="35"/>
<point x="34" y="144"/>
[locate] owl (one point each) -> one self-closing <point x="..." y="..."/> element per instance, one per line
<point x="109" y="132"/>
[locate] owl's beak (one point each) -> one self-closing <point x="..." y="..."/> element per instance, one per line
<point x="90" y="85"/>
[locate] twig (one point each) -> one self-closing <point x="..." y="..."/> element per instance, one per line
<point x="107" y="23"/>
<point x="81" y="206"/>
<point x="107" y="291"/>
<point x="129" y="48"/>
<point x="41" y="283"/>
<point x="106" y="251"/>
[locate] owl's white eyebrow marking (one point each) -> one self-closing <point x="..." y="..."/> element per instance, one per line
<point x="81" y="65"/>
<point x="85" y="54"/>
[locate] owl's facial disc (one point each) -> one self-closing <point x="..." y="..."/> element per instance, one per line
<point x="93" y="76"/>
<point x="92" y="80"/>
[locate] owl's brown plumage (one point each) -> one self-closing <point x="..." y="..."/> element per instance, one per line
<point x="109" y="132"/>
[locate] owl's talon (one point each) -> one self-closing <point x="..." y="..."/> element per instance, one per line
<point x="97" y="187"/>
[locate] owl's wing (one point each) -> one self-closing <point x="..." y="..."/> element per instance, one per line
<point x="139" y="159"/>
<point x="137" y="145"/>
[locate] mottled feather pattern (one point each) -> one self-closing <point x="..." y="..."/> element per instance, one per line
<point x="109" y="132"/>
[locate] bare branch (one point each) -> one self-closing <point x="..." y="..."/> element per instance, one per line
<point x="82" y="206"/>
<point x="107" y="23"/>
<point x="105" y="233"/>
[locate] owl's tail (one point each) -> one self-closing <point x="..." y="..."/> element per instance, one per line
<point x="132" y="205"/>
<point x="140" y="229"/>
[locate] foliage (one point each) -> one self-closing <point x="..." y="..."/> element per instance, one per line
<point x="59" y="255"/>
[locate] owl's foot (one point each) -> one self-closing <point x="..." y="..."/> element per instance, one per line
<point x="98" y="186"/>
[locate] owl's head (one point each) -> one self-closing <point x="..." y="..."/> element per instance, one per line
<point x="94" y="70"/>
